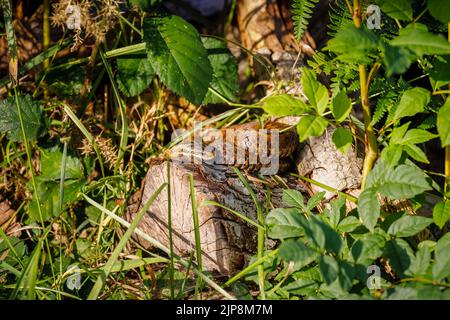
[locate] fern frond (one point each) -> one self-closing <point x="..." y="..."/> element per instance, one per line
<point x="301" y="13"/>
<point x="428" y="123"/>
<point x="340" y="17"/>
<point x="384" y="104"/>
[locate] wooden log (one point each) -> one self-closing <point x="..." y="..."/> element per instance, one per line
<point x="227" y="241"/>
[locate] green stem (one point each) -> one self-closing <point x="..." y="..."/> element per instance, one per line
<point x="370" y="138"/>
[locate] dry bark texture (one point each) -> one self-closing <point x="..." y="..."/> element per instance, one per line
<point x="320" y="160"/>
<point x="227" y="241"/>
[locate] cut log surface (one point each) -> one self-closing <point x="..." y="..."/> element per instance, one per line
<point x="227" y="241"/>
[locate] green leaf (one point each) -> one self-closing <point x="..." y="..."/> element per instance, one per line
<point x="329" y="268"/>
<point x="416" y="153"/>
<point x="343" y="139"/>
<point x="408" y="226"/>
<point x="403" y="182"/>
<point x="398" y="133"/>
<point x="440" y="10"/>
<point x="369" y="208"/>
<point x="297" y="252"/>
<point x="392" y="154"/>
<point x="225" y="78"/>
<point x="441" y="213"/>
<point x="314" y="200"/>
<point x="348" y="224"/>
<point x="293" y="198"/>
<point x="420" y="263"/>
<point x="48" y="184"/>
<point x="413" y="101"/>
<point x="353" y="44"/>
<point x="34" y="122"/>
<point x="178" y="56"/>
<point x="421" y="42"/>
<point x="441" y="267"/>
<point x="321" y="235"/>
<point x="316" y="92"/>
<point x="311" y="126"/>
<point x="134" y="75"/>
<point x="397" y="9"/>
<point x="415" y="136"/>
<point x="441" y="71"/>
<point x="443" y="123"/>
<point x="368" y="248"/>
<point x="397" y="59"/>
<point x="399" y="254"/>
<point x="283" y="105"/>
<point x="341" y="106"/>
<point x="284" y="223"/>
<point x="338" y="211"/>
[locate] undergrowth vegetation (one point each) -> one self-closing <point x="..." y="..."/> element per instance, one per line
<point x="75" y="142"/>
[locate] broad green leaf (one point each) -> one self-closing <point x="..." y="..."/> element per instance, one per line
<point x="375" y="177"/>
<point x="297" y="252"/>
<point x="293" y="198"/>
<point x="369" y="208"/>
<point x="421" y="42"/>
<point x="311" y="126"/>
<point x="329" y="268"/>
<point x="316" y="92"/>
<point x="342" y="139"/>
<point x="408" y="226"/>
<point x="321" y="234"/>
<point x="399" y="254"/>
<point x="440" y="10"/>
<point x="392" y="154"/>
<point x="314" y="200"/>
<point x="284" y="223"/>
<point x="441" y="71"/>
<point x="225" y="78"/>
<point x="415" y="136"/>
<point x="413" y="101"/>
<point x="353" y="44"/>
<point x="399" y="132"/>
<point x="48" y="184"/>
<point x="178" y="56"/>
<point x="416" y="153"/>
<point x="402" y="293"/>
<point x="443" y="123"/>
<point x="368" y="248"/>
<point x="403" y="182"/>
<point x="441" y="267"/>
<point x="338" y="210"/>
<point x="397" y="59"/>
<point x="283" y="105"/>
<point x="134" y="75"/>
<point x="397" y="9"/>
<point x="420" y="263"/>
<point x="35" y="125"/>
<point x="348" y="224"/>
<point x="346" y="275"/>
<point x="341" y="106"/>
<point x="441" y="213"/>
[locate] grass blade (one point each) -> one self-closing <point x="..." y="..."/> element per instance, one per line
<point x="101" y="280"/>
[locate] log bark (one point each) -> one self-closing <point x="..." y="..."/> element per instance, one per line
<point x="227" y="241"/>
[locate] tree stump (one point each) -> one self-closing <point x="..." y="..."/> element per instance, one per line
<point x="227" y="241"/>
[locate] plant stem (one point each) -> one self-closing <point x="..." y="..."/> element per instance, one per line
<point x="447" y="148"/>
<point x="370" y="138"/>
